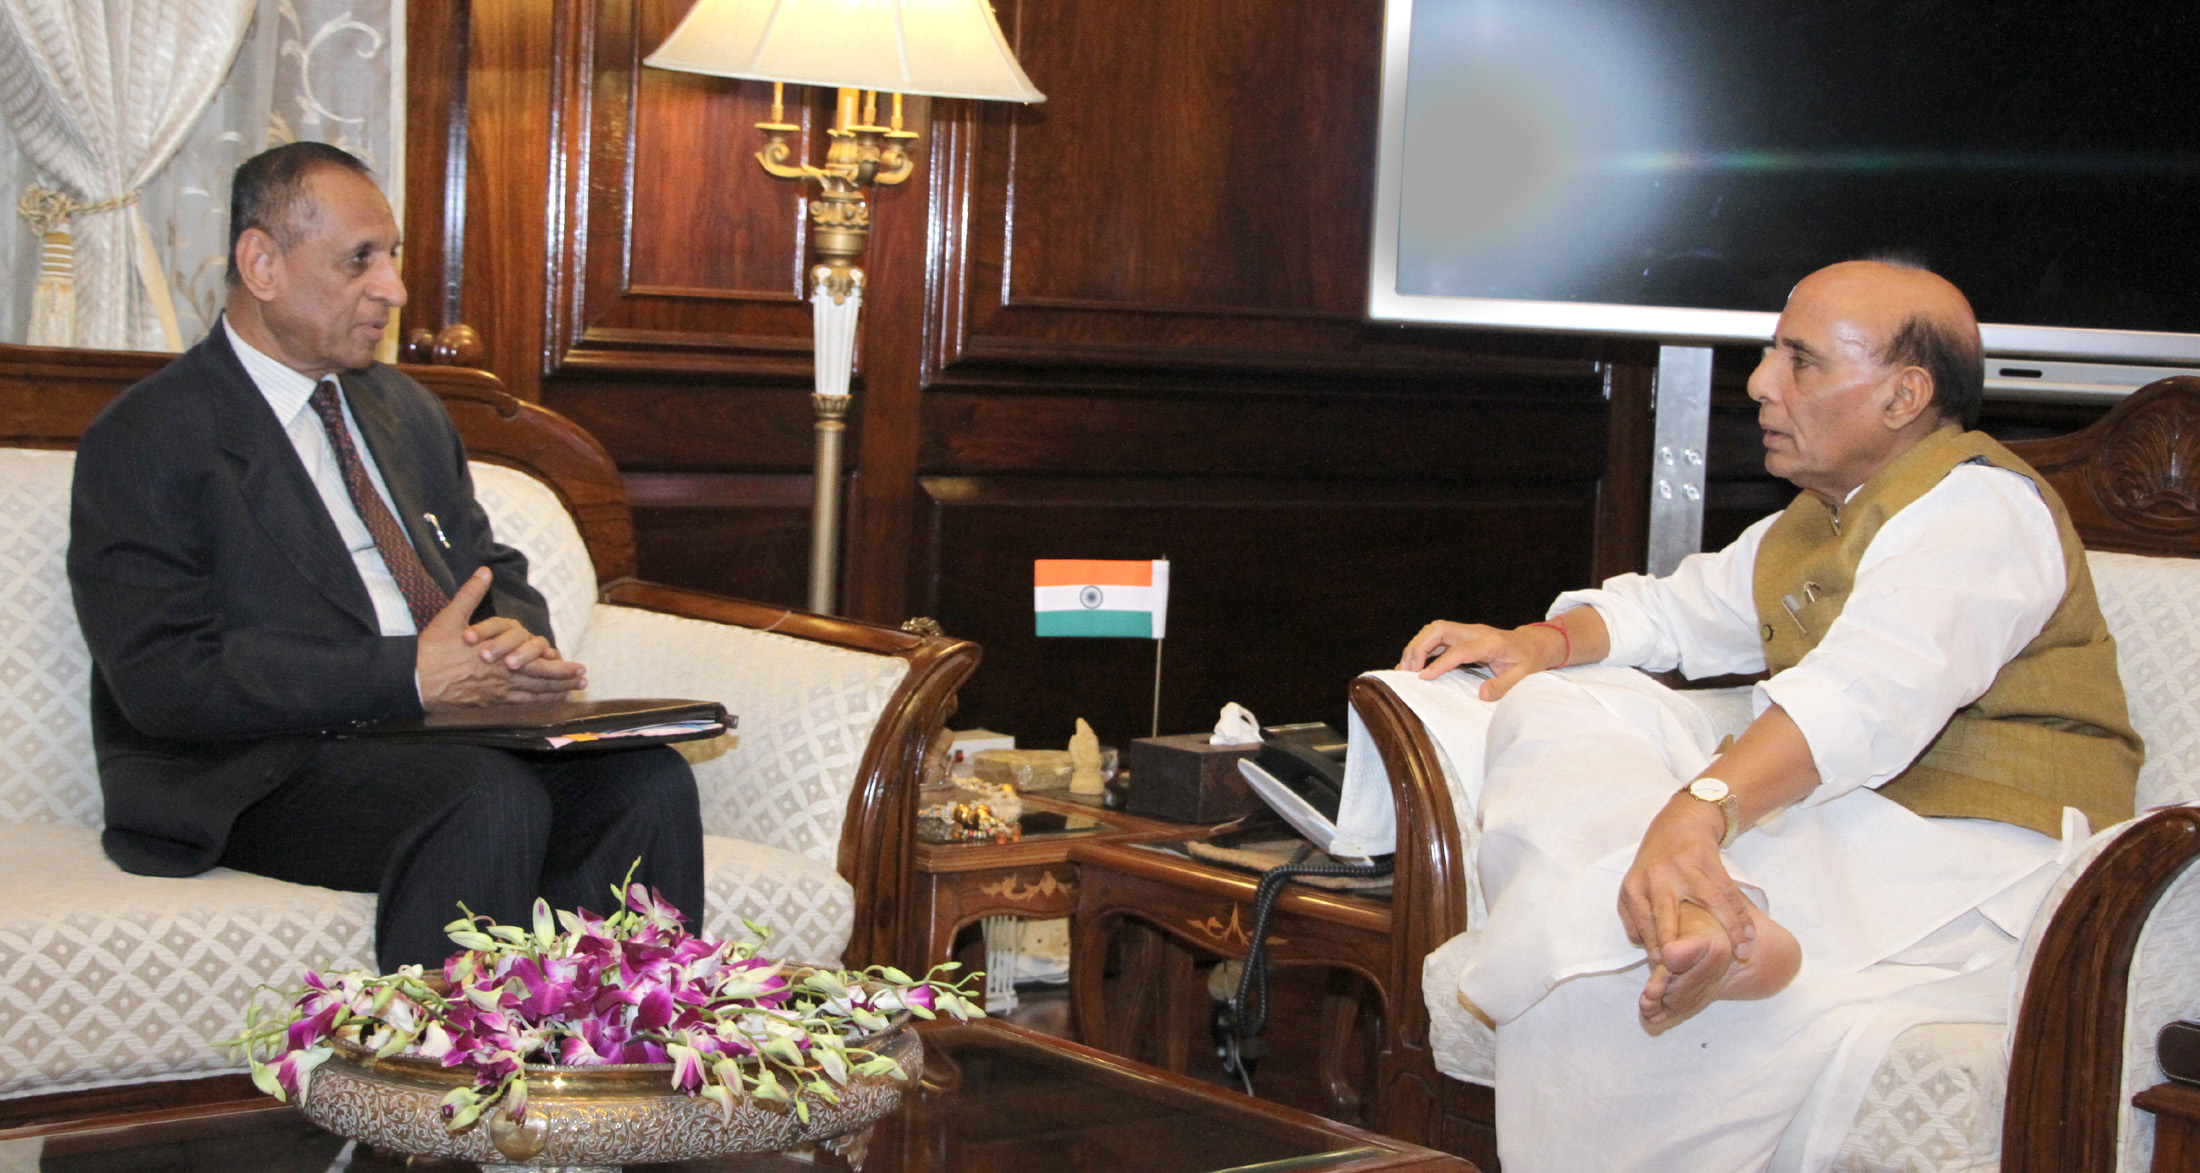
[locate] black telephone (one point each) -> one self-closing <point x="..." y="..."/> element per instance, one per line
<point x="1308" y="758"/>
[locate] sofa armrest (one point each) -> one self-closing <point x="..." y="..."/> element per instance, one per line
<point x="810" y="676"/>
<point x="2076" y="1039"/>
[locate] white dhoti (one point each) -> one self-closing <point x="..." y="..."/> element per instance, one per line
<point x="1902" y="920"/>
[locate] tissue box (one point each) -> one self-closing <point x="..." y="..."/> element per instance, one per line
<point x="1185" y="780"/>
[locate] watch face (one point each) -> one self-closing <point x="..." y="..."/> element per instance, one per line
<point x="1708" y="789"/>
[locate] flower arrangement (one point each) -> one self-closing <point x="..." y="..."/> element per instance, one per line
<point x="633" y="987"/>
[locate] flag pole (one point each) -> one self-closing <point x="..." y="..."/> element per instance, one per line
<point x="1157" y="688"/>
<point x="1156" y="726"/>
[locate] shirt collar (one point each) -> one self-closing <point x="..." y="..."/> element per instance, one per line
<point x="285" y="390"/>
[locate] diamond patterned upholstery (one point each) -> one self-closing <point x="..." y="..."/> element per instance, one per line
<point x="1934" y="1104"/>
<point x="807" y="906"/>
<point x="806" y="715"/>
<point x="530" y="518"/>
<point x="47" y="772"/>
<point x="112" y="978"/>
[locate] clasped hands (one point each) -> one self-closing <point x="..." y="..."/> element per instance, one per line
<point x="494" y="662"/>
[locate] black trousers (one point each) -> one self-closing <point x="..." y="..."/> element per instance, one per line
<point x="431" y="826"/>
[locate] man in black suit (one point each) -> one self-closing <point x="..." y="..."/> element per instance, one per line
<point x="276" y="536"/>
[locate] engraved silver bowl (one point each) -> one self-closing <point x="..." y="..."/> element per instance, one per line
<point x="589" y="1118"/>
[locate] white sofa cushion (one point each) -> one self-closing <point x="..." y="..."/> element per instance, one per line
<point x="806" y="715"/>
<point x="47" y="771"/>
<point x="1934" y="1105"/>
<point x="2153" y="609"/>
<point x="527" y="515"/>
<point x="113" y="978"/>
<point x="807" y="906"/>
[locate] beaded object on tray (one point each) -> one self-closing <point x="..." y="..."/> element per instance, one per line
<point x="970" y="813"/>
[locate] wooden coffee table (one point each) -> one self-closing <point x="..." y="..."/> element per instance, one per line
<point x="994" y="1098"/>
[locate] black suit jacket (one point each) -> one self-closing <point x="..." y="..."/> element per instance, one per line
<point x="226" y="620"/>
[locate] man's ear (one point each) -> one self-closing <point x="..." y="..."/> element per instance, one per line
<point x="258" y="259"/>
<point x="1912" y="396"/>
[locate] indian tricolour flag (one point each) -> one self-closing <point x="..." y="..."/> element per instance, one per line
<point x="1081" y="596"/>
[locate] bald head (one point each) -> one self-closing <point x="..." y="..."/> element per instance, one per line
<point x="1912" y="317"/>
<point x="1869" y="358"/>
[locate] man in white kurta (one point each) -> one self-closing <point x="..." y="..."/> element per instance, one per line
<point x="1788" y="915"/>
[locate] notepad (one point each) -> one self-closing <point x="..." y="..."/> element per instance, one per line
<point x="559" y="725"/>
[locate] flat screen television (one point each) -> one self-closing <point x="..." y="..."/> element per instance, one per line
<point x="1669" y="168"/>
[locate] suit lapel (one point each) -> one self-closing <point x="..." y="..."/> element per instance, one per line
<point x="379" y="426"/>
<point x="277" y="491"/>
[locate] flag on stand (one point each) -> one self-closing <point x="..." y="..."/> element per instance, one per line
<point x="1081" y="596"/>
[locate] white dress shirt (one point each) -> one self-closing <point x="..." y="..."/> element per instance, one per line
<point x="1950" y="590"/>
<point x="288" y="394"/>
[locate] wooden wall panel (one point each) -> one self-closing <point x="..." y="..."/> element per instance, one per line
<point x="1209" y="155"/>
<point x="1280" y="591"/>
<point x="669" y="249"/>
<point x="737" y="534"/>
<point x="508" y="169"/>
<point x="1280" y="434"/>
<point x="437" y="42"/>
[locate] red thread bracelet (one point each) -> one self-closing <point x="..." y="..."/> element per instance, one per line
<point x="1561" y="630"/>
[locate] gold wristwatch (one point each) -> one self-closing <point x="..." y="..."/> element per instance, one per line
<point x="1714" y="791"/>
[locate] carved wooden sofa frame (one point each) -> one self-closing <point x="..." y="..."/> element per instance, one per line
<point x="49" y="395"/>
<point x="2131" y="482"/>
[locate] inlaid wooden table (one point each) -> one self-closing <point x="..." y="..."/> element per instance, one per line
<point x="1210" y="909"/>
<point x="994" y="1099"/>
<point x="959" y="884"/>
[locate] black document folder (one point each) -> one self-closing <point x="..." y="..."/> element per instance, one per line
<point x="561" y="725"/>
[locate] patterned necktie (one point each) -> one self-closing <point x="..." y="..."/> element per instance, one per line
<point x="423" y="596"/>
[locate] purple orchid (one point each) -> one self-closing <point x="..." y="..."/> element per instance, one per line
<point x="585" y="990"/>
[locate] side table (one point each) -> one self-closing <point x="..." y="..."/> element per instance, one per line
<point x="1211" y="908"/>
<point x="2176" y="1108"/>
<point x="1033" y="878"/>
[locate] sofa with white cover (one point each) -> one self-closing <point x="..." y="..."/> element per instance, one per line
<point x="108" y="978"/>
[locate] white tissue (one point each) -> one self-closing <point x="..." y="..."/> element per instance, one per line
<point x="1236" y="726"/>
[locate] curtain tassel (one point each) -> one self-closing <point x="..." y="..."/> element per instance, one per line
<point x="53" y="301"/>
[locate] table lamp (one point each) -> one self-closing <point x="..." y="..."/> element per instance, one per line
<point x="862" y="48"/>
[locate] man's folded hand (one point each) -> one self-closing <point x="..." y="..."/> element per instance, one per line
<point x="494" y="662"/>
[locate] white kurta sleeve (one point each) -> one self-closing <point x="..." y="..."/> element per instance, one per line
<point x="1951" y="589"/>
<point x="1702" y="618"/>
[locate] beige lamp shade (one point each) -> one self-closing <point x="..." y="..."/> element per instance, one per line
<point x="944" y="48"/>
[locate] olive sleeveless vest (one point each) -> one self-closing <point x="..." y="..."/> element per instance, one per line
<point x="2052" y="730"/>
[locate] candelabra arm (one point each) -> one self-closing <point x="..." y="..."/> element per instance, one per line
<point x="776" y="152"/>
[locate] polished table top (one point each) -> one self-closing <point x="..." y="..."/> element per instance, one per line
<point x="995" y="1098"/>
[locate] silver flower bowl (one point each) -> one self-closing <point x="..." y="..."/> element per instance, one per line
<point x="589" y="1118"/>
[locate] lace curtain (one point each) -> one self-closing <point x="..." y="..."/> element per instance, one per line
<point x="326" y="70"/>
